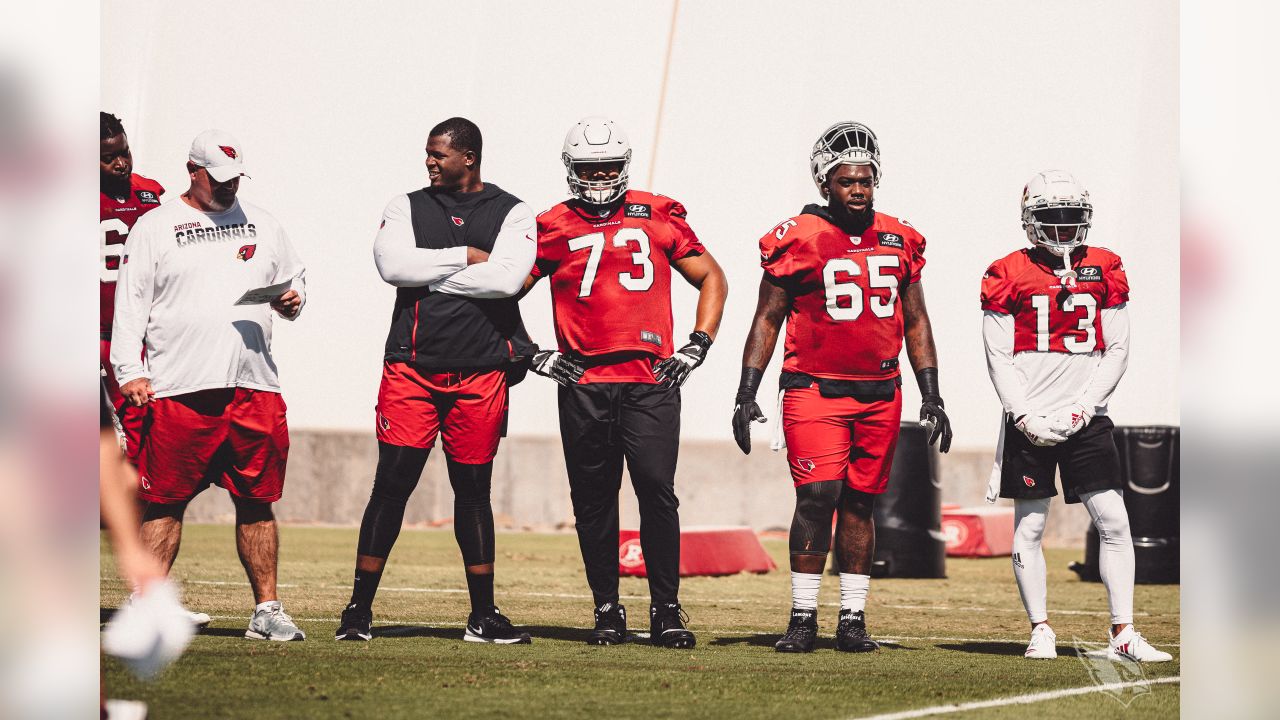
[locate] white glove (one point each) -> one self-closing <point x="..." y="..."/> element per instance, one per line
<point x="1069" y="420"/>
<point x="1038" y="430"/>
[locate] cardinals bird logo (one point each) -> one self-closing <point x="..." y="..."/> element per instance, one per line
<point x="246" y="252"/>
<point x="228" y="150"/>
<point x="456" y="220"/>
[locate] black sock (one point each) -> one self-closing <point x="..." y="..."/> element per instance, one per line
<point x="366" y="586"/>
<point x="480" y="588"/>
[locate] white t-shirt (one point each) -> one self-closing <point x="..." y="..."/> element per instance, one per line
<point x="181" y="274"/>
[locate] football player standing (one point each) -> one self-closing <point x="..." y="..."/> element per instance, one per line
<point x="846" y="279"/>
<point x="1056" y="331"/>
<point x="609" y="252"/>
<point x="124" y="196"/>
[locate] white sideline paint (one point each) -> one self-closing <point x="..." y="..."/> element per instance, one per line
<point x="580" y="596"/>
<point x="1017" y="699"/>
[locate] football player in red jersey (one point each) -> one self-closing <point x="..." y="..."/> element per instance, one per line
<point x="846" y="280"/>
<point x="609" y="252"/>
<point x="123" y="198"/>
<point x="1056" y="330"/>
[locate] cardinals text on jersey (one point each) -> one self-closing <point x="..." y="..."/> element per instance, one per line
<point x="1050" y="314"/>
<point x="846" y="313"/>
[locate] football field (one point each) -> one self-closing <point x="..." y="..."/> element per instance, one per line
<point x="944" y="643"/>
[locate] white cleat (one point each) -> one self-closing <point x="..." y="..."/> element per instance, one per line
<point x="1131" y="646"/>
<point x="1043" y="645"/>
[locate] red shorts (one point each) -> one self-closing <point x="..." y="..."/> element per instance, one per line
<point x="130" y="416"/>
<point x="840" y="438"/>
<point x="234" y="437"/>
<point x="468" y="409"/>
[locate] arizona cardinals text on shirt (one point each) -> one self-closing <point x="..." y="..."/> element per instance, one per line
<point x="185" y="234"/>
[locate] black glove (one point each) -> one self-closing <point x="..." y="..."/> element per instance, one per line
<point x="932" y="415"/>
<point x="675" y="369"/>
<point x="745" y="409"/>
<point x="559" y="367"/>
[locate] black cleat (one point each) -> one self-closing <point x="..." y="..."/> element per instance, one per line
<point x="494" y="627"/>
<point x="666" y="627"/>
<point x="851" y="633"/>
<point x="801" y="634"/>
<point x="357" y="624"/>
<point x="611" y="625"/>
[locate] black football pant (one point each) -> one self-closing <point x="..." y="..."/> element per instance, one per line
<point x="600" y="425"/>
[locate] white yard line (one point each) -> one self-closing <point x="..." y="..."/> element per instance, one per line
<point x="1017" y="699"/>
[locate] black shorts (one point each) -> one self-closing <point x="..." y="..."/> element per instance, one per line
<point x="1088" y="461"/>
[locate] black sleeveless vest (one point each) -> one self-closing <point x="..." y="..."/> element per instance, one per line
<point x="435" y="331"/>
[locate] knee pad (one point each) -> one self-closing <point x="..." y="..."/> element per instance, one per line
<point x="399" y="469"/>
<point x="811" y="525"/>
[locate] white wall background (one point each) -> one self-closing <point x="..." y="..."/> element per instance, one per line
<point x="333" y="102"/>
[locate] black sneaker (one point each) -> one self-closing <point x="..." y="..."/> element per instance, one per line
<point x="357" y="624"/>
<point x="611" y="625"/>
<point x="851" y="633"/>
<point x="666" y="626"/>
<point x="801" y="634"/>
<point x="494" y="627"/>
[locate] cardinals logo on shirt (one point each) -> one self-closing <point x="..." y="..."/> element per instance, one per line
<point x="245" y="252"/>
<point x="807" y="464"/>
<point x="228" y="151"/>
<point x="1030" y="481"/>
<point x="456" y="220"/>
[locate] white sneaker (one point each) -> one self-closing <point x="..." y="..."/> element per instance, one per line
<point x="1130" y="645"/>
<point x="199" y="619"/>
<point x="1043" y="645"/>
<point x="272" y="623"/>
<point x="126" y="710"/>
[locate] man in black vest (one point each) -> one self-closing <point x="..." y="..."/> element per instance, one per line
<point x="457" y="252"/>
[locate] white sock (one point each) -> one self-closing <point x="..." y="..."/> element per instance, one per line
<point x="853" y="591"/>
<point x="265" y="605"/>
<point x="804" y="590"/>
<point x="1029" y="518"/>
<point x="1115" y="555"/>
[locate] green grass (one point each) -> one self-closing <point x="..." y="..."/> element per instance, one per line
<point x="954" y="640"/>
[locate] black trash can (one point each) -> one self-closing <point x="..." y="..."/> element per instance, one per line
<point x="1149" y="464"/>
<point x="908" y="516"/>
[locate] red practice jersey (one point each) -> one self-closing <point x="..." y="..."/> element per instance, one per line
<point x="117" y="220"/>
<point x="1049" y="315"/>
<point x="846" y="310"/>
<point x="611" y="277"/>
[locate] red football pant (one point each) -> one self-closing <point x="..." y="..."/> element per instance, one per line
<point x="840" y="438"/>
<point x="468" y="409"/>
<point x="234" y="437"/>
<point x="130" y="416"/>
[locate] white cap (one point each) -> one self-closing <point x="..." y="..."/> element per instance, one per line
<point x="219" y="153"/>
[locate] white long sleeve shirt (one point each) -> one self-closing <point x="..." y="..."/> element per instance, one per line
<point x="1042" y="382"/>
<point x="182" y="272"/>
<point x="402" y="263"/>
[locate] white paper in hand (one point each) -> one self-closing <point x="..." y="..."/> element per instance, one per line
<point x="150" y="631"/>
<point x="264" y="295"/>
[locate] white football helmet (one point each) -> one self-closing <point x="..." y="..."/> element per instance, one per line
<point x="1055" y="199"/>
<point x="845" y="143"/>
<point x="596" y="139"/>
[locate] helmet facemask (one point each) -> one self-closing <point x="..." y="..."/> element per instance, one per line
<point x="844" y="143"/>
<point x="597" y="192"/>
<point x="1043" y="225"/>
